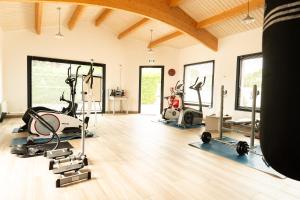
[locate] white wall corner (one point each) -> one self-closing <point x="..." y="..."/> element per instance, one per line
<point x="1" y="65"/>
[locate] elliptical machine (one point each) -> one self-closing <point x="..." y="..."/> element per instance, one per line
<point x="72" y="82"/>
<point x="190" y="116"/>
<point x="62" y="122"/>
<point x="175" y="101"/>
<point x="25" y="151"/>
<point x="49" y="124"/>
<point x="66" y="117"/>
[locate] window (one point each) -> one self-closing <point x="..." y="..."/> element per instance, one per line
<point x="249" y="73"/>
<point x="201" y="70"/>
<point x="46" y="82"/>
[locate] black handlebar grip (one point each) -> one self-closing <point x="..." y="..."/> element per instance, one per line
<point x="177" y="84"/>
<point x="204" y="80"/>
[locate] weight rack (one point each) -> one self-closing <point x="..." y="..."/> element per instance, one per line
<point x="255" y="93"/>
<point x="242" y="147"/>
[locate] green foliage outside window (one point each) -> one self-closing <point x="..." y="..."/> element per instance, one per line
<point x="150" y="88"/>
<point x="48" y="81"/>
<point x="253" y="79"/>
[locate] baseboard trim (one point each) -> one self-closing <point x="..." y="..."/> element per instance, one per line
<point x="122" y="112"/>
<point x="16" y="115"/>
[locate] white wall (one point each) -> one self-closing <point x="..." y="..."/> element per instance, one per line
<point x="83" y="43"/>
<point x="86" y="42"/>
<point x="1" y="66"/>
<point x="225" y="65"/>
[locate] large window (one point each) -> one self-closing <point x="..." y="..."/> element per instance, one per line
<point x="191" y="73"/>
<point x="249" y="73"/>
<point x="46" y="82"/>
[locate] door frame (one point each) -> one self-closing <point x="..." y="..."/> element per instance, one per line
<point x="162" y="68"/>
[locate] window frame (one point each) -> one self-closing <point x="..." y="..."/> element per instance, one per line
<point x="58" y="60"/>
<point x="238" y="81"/>
<point x="212" y="86"/>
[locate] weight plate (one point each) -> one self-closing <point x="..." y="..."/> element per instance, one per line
<point x="206" y="137"/>
<point x="242" y="148"/>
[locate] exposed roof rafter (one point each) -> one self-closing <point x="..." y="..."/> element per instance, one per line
<point x="164" y="39"/>
<point x="175" y="3"/>
<point x="38" y="17"/>
<point x="75" y="16"/>
<point x="133" y="28"/>
<point x="102" y="16"/>
<point x="159" y="10"/>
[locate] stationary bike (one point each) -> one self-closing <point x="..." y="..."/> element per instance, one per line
<point x="175" y="102"/>
<point x="190" y="116"/>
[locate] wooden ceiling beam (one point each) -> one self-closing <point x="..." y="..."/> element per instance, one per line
<point x="164" y="39"/>
<point x="38" y="17"/>
<point x="75" y="16"/>
<point x="159" y="10"/>
<point x="175" y="3"/>
<point x="102" y="16"/>
<point x="253" y="4"/>
<point x="133" y="28"/>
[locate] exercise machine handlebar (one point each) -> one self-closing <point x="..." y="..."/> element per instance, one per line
<point x="40" y="119"/>
<point x="198" y="86"/>
<point x="193" y="86"/>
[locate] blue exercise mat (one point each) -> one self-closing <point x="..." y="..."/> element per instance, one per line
<point x="174" y="124"/>
<point x="63" y="137"/>
<point x="253" y="160"/>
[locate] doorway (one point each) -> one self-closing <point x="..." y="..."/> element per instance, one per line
<point x="151" y="89"/>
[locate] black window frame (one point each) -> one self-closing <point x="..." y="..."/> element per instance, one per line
<point x="213" y="82"/>
<point x="238" y="81"/>
<point x="58" y="60"/>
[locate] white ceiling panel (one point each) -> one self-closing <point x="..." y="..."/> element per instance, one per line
<point x="235" y="25"/>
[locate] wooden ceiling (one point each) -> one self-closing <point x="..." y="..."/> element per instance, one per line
<point x="202" y="21"/>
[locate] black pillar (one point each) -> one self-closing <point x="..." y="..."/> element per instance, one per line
<point x="280" y="109"/>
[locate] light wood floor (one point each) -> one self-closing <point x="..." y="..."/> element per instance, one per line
<point x="135" y="158"/>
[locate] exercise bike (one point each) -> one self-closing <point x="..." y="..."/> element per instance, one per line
<point x="190" y="116"/>
<point x="175" y="102"/>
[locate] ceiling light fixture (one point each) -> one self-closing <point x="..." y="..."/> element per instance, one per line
<point x="248" y="19"/>
<point x="59" y="35"/>
<point x="151" y="58"/>
<point x="150" y="50"/>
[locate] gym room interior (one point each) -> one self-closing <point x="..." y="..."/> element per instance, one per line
<point x="149" y="99"/>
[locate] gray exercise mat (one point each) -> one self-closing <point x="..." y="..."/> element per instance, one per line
<point x="41" y="148"/>
<point x="63" y="137"/>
